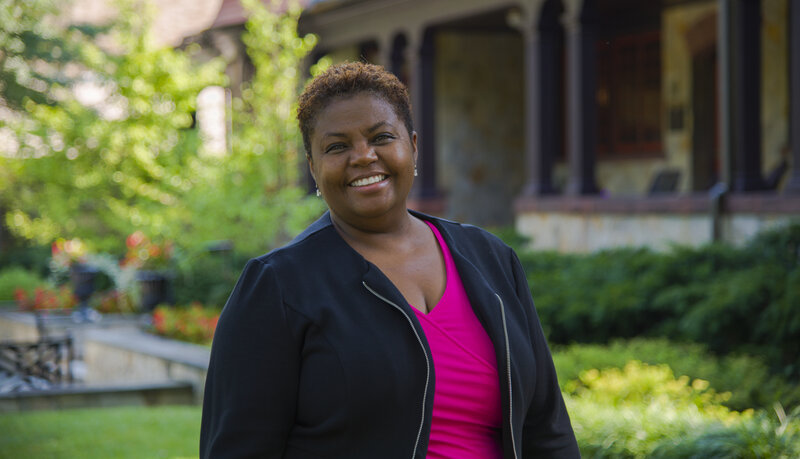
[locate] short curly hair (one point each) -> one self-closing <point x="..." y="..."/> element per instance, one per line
<point x="348" y="79"/>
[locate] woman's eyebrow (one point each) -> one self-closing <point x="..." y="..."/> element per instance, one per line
<point x="377" y="125"/>
<point x="372" y="128"/>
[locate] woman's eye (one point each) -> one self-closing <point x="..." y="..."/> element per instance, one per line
<point x="334" y="147"/>
<point x="384" y="137"/>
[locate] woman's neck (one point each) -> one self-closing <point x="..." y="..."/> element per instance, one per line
<point x="383" y="236"/>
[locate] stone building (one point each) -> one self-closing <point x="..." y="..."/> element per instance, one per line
<point x="592" y="123"/>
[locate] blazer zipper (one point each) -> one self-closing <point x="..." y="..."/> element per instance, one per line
<point x="427" y="361"/>
<point x="508" y="372"/>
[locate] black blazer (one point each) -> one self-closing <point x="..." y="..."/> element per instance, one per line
<point x="317" y="354"/>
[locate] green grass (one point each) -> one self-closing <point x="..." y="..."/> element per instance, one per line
<point x="128" y="432"/>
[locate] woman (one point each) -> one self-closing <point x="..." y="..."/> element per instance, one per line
<point x="379" y="332"/>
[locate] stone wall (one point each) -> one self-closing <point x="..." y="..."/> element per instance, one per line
<point x="479" y="124"/>
<point x="115" y="356"/>
<point x="132" y="356"/>
<point x="582" y="233"/>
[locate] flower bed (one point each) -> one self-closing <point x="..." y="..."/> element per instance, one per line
<point x="46" y="298"/>
<point x="193" y="323"/>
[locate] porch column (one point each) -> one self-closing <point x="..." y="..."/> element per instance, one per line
<point x="746" y="86"/>
<point x="397" y="59"/>
<point x="420" y="59"/>
<point x="542" y="121"/>
<point x="793" y="185"/>
<point x="385" y="51"/>
<point x="580" y="27"/>
<point x="724" y="90"/>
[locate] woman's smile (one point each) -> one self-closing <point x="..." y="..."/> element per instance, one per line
<point x="363" y="182"/>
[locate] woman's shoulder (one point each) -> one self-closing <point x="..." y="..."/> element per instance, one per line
<point x="465" y="233"/>
<point x="310" y="252"/>
<point x="303" y="249"/>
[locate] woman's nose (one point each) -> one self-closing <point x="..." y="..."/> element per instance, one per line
<point x="363" y="153"/>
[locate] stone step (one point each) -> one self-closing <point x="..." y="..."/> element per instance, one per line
<point x="85" y="396"/>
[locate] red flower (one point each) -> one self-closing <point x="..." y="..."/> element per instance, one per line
<point x="135" y="239"/>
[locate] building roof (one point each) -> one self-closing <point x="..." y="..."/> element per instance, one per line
<point x="232" y="13"/>
<point x="176" y="19"/>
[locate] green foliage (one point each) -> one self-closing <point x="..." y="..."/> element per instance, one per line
<point x="731" y="299"/>
<point x="643" y="411"/>
<point x="97" y="171"/>
<point x="593" y="297"/>
<point x="29" y="37"/>
<point x="15" y="278"/>
<point x="253" y="197"/>
<point x="642" y="384"/>
<point x="511" y="236"/>
<point x="207" y="277"/>
<point x="627" y="413"/>
<point x="745" y="377"/>
<point x="758" y="437"/>
<point x="35" y="258"/>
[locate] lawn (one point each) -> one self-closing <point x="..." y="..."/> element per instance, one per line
<point x="129" y="432"/>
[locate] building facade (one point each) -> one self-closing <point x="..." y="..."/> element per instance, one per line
<point x="592" y="123"/>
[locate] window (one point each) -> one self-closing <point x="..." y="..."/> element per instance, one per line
<point x="629" y="94"/>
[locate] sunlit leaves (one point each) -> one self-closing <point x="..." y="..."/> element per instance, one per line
<point x="118" y="152"/>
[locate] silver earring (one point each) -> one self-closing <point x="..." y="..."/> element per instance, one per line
<point x="415" y="170"/>
<point x="318" y="193"/>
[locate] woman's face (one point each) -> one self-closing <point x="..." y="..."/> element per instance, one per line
<point x="363" y="160"/>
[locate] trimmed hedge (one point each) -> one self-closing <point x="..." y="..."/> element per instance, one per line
<point x="644" y="411"/>
<point x="730" y="299"/>
<point x="747" y="378"/>
<point x="14" y="278"/>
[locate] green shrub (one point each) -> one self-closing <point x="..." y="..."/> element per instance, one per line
<point x="35" y="258"/>
<point x="629" y="413"/>
<point x="18" y="278"/>
<point x="591" y="298"/>
<point x="782" y="245"/>
<point x="644" y="411"/>
<point x="643" y="384"/>
<point x="730" y="299"/>
<point x="747" y="378"/>
<point x="760" y="436"/>
<point x="511" y="236"/>
<point x="207" y="277"/>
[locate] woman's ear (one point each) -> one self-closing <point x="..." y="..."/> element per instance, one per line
<point x="414" y="144"/>
<point x="311" y="167"/>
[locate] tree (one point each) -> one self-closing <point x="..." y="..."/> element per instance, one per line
<point x="33" y="51"/>
<point x="33" y="56"/>
<point x="253" y="196"/>
<point x="99" y="170"/>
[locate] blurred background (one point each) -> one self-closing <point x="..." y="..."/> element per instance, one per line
<point x="643" y="158"/>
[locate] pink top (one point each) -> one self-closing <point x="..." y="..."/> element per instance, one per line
<point x="466" y="402"/>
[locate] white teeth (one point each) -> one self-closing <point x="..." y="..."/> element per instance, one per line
<point x="368" y="180"/>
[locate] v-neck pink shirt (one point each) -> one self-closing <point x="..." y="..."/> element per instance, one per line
<point x="466" y="401"/>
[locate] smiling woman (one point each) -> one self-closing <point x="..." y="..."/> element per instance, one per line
<point x="378" y="331"/>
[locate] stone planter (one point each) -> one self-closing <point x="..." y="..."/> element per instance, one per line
<point x="82" y="278"/>
<point x="154" y="287"/>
